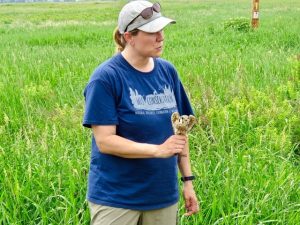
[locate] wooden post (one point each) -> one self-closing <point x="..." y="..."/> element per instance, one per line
<point x="255" y="14"/>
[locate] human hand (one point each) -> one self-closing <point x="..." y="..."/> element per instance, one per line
<point x="173" y="145"/>
<point x="190" y="198"/>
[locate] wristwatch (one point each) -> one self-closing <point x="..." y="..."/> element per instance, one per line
<point x="183" y="179"/>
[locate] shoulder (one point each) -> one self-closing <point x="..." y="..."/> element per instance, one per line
<point x="168" y="68"/>
<point x="105" y="71"/>
<point x="104" y="76"/>
<point x="165" y="63"/>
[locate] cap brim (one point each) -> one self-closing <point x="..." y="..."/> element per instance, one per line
<point x="156" y="25"/>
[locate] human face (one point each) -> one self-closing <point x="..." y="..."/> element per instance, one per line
<point x="149" y="44"/>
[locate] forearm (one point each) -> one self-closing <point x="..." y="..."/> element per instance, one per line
<point x="122" y="147"/>
<point x="184" y="163"/>
<point x="185" y="166"/>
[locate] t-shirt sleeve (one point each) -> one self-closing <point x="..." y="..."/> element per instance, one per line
<point x="183" y="103"/>
<point x="100" y="104"/>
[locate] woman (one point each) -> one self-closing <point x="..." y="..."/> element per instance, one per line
<point x="129" y="102"/>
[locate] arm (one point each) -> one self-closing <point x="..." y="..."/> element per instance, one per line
<point x="191" y="202"/>
<point x="184" y="164"/>
<point x="110" y="143"/>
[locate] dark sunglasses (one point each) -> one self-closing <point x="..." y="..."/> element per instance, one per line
<point x="146" y="13"/>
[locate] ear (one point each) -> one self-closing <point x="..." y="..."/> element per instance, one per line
<point x="175" y="116"/>
<point x="192" y="122"/>
<point x="128" y="37"/>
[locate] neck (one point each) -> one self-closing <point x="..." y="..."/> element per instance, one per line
<point x="139" y="62"/>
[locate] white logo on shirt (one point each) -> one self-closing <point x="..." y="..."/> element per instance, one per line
<point x="155" y="101"/>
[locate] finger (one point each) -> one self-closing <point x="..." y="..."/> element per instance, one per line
<point x="180" y="142"/>
<point x="191" y="206"/>
<point x="188" y="213"/>
<point x="188" y="203"/>
<point x="177" y="151"/>
<point x="180" y="137"/>
<point x="194" y="207"/>
<point x="179" y="146"/>
<point x="194" y="202"/>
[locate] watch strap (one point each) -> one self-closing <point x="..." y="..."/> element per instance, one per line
<point x="183" y="179"/>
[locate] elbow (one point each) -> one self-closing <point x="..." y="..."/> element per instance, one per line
<point x="102" y="147"/>
<point x="103" y="137"/>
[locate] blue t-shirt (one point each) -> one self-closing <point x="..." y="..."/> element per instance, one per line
<point x="140" y="104"/>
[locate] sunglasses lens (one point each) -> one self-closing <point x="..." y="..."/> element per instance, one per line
<point x="147" y="13"/>
<point x="156" y="7"/>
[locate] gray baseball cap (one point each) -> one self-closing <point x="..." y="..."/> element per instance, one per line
<point x="130" y="18"/>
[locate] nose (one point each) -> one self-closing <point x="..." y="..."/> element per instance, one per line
<point x="160" y="36"/>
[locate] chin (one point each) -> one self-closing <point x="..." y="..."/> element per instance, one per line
<point x="157" y="54"/>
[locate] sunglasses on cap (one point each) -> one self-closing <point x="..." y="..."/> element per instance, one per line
<point x="146" y="13"/>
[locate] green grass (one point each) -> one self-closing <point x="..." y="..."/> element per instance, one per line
<point x="244" y="86"/>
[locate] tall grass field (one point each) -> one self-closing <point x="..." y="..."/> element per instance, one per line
<point x="244" y="86"/>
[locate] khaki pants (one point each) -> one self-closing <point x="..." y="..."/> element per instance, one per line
<point x="105" y="215"/>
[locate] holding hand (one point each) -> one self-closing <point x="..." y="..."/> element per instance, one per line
<point x="173" y="145"/>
